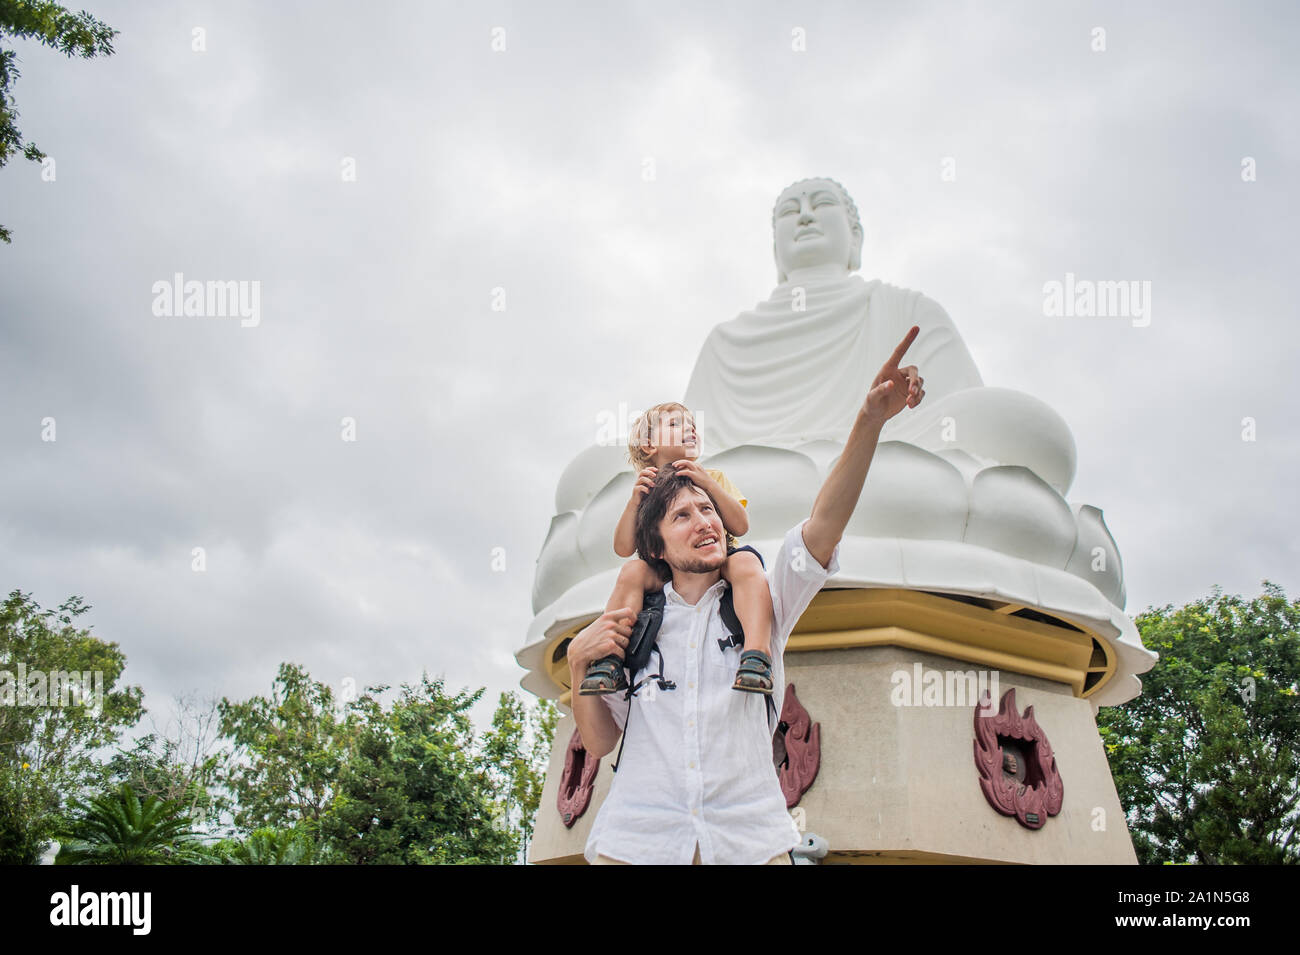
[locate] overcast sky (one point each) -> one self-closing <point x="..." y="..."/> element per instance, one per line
<point x="524" y="169"/>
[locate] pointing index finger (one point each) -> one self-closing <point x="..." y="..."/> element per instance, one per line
<point x="906" y="343"/>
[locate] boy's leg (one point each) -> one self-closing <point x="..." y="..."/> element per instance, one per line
<point x="634" y="579"/>
<point x="752" y="598"/>
<point x="753" y="602"/>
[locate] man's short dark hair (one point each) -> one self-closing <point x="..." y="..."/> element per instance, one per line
<point x="650" y="512"/>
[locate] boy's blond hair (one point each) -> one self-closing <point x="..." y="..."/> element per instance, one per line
<point x="645" y="429"/>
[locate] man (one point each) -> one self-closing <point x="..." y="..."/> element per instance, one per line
<point x="696" y="782"/>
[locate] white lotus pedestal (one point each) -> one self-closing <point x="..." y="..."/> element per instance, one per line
<point x="892" y="678"/>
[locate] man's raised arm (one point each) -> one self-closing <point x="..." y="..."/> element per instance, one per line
<point x="893" y="390"/>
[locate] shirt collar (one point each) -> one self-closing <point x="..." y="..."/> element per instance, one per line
<point x="672" y="596"/>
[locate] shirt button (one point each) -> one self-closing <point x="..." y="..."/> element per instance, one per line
<point x="692" y="764"/>
<point x="695" y="812"/>
<point x="692" y="644"/>
<point x="690" y="722"/>
<point x="690" y="686"/>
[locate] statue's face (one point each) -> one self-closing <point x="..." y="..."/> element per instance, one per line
<point x="812" y="228"/>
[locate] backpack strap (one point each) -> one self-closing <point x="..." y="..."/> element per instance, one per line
<point x="730" y="620"/>
<point x="632" y="691"/>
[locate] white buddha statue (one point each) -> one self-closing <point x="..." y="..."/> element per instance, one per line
<point x="792" y="370"/>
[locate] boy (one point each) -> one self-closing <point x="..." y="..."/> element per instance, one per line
<point x="663" y="437"/>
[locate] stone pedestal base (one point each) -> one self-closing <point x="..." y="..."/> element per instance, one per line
<point x="900" y="783"/>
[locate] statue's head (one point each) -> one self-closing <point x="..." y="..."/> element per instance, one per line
<point x="815" y="222"/>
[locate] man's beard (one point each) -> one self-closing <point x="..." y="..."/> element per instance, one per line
<point x="700" y="565"/>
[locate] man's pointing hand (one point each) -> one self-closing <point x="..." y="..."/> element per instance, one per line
<point x="895" y="388"/>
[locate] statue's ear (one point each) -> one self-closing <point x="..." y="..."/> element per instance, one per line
<point x="780" y="276"/>
<point x="855" y="251"/>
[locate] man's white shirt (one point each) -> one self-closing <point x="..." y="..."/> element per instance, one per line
<point x="697" y="760"/>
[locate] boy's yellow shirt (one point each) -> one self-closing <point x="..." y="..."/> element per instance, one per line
<point x="728" y="488"/>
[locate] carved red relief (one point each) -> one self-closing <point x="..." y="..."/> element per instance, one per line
<point x="796" y="749"/>
<point x="1016" y="765"/>
<point x="577" y="781"/>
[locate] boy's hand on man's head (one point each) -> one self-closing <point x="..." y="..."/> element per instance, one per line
<point x="696" y="473"/>
<point x="645" y="480"/>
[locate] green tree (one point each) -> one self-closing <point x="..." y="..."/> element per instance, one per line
<point x="517" y="749"/>
<point x="270" y="847"/>
<point x="1205" y="760"/>
<point x="183" y="762"/>
<point x="415" y="787"/>
<point x="74" y="34"/>
<point x="118" y="829"/>
<point x="48" y="745"/>
<point x="288" y="751"/>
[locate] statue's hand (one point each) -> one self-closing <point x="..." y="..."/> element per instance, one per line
<point x="895" y="388"/>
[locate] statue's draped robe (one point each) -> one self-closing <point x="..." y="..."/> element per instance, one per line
<point x="781" y="377"/>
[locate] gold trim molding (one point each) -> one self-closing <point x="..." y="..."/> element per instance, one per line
<point x="989" y="632"/>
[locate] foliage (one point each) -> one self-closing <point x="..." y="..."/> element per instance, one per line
<point x="292" y="745"/>
<point x="1205" y="759"/>
<point x="308" y="781"/>
<point x="517" y="748"/>
<point x="405" y="784"/>
<point x="47" y="752"/>
<point x="183" y="763"/>
<point x="270" y="847"/>
<point x="77" y="34"/>
<point x="414" y="789"/>
<point x="118" y="829"/>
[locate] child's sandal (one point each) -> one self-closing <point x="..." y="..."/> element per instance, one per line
<point x="603" y="676"/>
<point x="755" y="673"/>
